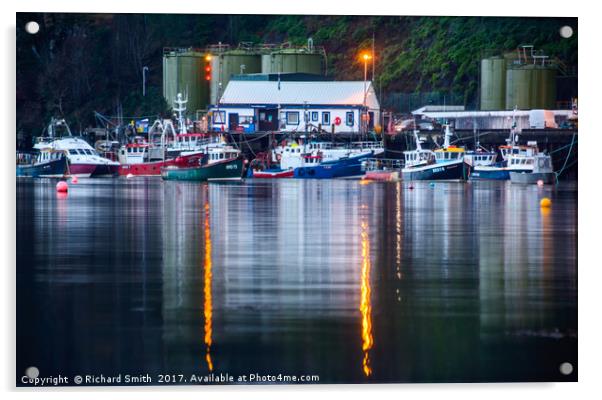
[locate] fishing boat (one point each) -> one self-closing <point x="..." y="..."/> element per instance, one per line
<point x="541" y="171"/>
<point x="167" y="147"/>
<point x="300" y="158"/>
<point x="446" y="163"/>
<point x="135" y="159"/>
<point x="343" y="167"/>
<point x="221" y="163"/>
<point x="516" y="158"/>
<point x="45" y="164"/>
<point x="82" y="159"/>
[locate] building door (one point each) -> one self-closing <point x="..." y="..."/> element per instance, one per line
<point x="233" y="121"/>
<point x="268" y="119"/>
<point x="370" y="120"/>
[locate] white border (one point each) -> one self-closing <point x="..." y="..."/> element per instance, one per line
<point x="589" y="226"/>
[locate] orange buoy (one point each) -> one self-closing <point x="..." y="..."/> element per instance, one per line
<point x="74" y="179"/>
<point x="545" y="203"/>
<point x="62" y="187"/>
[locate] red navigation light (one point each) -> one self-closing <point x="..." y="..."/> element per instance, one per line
<point x="208" y="77"/>
<point x="208" y="68"/>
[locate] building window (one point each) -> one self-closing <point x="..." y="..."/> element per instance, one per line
<point x="292" y="118"/>
<point x="314" y="116"/>
<point x="245" y="119"/>
<point x="219" y="117"/>
<point x="326" y="118"/>
<point x="349" y="118"/>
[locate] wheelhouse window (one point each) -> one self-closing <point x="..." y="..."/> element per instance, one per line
<point x="292" y="118"/>
<point x="326" y="118"/>
<point x="349" y="118"/>
<point x="314" y="116"/>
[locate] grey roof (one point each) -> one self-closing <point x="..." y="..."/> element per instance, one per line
<point x="323" y="93"/>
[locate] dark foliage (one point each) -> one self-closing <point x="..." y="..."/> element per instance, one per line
<point x="80" y="63"/>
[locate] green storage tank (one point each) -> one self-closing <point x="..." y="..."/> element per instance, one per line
<point x="184" y="72"/>
<point x="293" y="60"/>
<point x="493" y="83"/>
<point x="228" y="63"/>
<point x="530" y="87"/>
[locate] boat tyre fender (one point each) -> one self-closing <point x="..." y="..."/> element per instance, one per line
<point x="311" y="172"/>
<point x="301" y="171"/>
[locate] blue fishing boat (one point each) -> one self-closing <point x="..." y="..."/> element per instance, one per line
<point x="344" y="167"/>
<point x="515" y="158"/>
<point x="45" y="164"/>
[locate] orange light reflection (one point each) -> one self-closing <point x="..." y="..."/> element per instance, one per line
<point x="208" y="310"/>
<point x="365" y="303"/>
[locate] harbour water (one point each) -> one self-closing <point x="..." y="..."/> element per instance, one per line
<point x="348" y="281"/>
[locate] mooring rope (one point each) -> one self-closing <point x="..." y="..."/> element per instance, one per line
<point x="567" y="158"/>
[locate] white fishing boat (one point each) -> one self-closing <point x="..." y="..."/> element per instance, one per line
<point x="82" y="159"/>
<point x="540" y="170"/>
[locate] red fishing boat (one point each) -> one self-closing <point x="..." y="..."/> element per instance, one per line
<point x="135" y="160"/>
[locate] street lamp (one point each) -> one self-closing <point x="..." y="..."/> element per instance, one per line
<point x="144" y="69"/>
<point x="365" y="57"/>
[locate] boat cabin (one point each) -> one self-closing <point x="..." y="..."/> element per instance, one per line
<point x="451" y="153"/>
<point x="530" y="150"/>
<point x="133" y="153"/>
<point x="415" y="158"/>
<point x="191" y="141"/>
<point x="218" y="154"/>
<point x="480" y="158"/>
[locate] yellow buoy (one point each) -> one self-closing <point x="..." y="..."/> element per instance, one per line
<point x="545" y="202"/>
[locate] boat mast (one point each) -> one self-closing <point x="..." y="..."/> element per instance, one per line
<point x="447" y="136"/>
<point x="513" y="130"/>
<point x="180" y="108"/>
<point x="418" y="146"/>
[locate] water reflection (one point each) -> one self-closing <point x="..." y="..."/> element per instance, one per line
<point x="208" y="312"/>
<point x="365" y="304"/>
<point x="447" y="283"/>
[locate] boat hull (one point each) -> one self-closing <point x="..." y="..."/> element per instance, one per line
<point x="107" y="170"/>
<point x="224" y="170"/>
<point x="532" y="177"/>
<point x="492" y="174"/>
<point x="383" y="176"/>
<point x="81" y="170"/>
<point x="495" y="174"/>
<point x="453" y="171"/>
<point x="50" y="169"/>
<point x="154" y="168"/>
<point x="272" y="174"/>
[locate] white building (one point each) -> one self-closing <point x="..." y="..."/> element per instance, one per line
<point x="503" y="119"/>
<point x="289" y="106"/>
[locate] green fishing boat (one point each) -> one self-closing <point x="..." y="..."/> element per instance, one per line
<point x="227" y="169"/>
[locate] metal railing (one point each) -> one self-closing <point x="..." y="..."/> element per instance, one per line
<point x="382" y="164"/>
